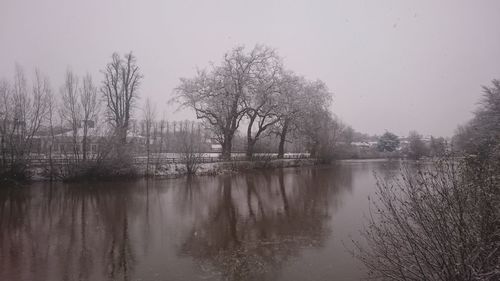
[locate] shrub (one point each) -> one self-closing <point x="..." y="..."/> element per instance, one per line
<point x="435" y="222"/>
<point x="116" y="167"/>
<point x="16" y="170"/>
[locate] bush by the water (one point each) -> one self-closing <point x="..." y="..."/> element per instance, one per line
<point x="435" y="222"/>
<point x="15" y="171"/>
<point x="112" y="168"/>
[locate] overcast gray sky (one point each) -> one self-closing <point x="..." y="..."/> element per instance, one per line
<point x="392" y="65"/>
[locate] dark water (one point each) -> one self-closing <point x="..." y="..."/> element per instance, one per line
<point x="288" y="224"/>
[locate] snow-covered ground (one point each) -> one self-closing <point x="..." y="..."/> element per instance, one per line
<point x="176" y="170"/>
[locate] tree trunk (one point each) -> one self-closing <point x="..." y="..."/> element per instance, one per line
<point x="2" y="146"/>
<point x="250" y="147"/>
<point x="147" y="156"/>
<point x="123" y="135"/>
<point x="85" y="142"/>
<point x="281" y="147"/>
<point x="51" y="164"/>
<point x="250" y="140"/>
<point x="226" y="147"/>
<point x="314" y="150"/>
<point x="84" y="148"/>
<point x="75" y="145"/>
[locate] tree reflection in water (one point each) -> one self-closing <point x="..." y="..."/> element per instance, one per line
<point x="257" y="222"/>
<point x="77" y="233"/>
<point x="238" y="227"/>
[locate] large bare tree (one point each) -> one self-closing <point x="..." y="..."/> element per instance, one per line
<point x="120" y="90"/>
<point x="220" y="96"/>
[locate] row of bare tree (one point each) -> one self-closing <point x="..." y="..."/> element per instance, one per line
<point x="31" y="111"/>
<point x="23" y="110"/>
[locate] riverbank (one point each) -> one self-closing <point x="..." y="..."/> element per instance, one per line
<point x="175" y="170"/>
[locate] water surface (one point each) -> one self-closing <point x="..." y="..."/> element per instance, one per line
<point x="289" y="224"/>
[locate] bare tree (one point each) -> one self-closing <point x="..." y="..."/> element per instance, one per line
<point x="71" y="110"/>
<point x="120" y="90"/>
<point x="315" y="118"/>
<point x="322" y="131"/>
<point x="90" y="106"/>
<point x="6" y="115"/>
<point x="163" y="126"/>
<point x="52" y="106"/>
<point x="36" y="112"/>
<point x="190" y="145"/>
<point x="23" y="113"/>
<point x="149" y="115"/>
<point x="220" y="96"/>
<point x="161" y="132"/>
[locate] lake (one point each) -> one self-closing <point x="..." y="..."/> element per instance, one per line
<point x="284" y="224"/>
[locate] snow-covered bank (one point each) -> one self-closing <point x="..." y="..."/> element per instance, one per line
<point x="170" y="170"/>
<point x="177" y="170"/>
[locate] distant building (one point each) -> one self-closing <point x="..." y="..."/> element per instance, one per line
<point x="361" y="144"/>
